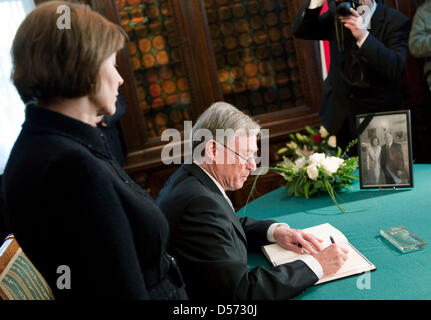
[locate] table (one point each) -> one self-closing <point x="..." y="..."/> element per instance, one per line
<point x="398" y="276"/>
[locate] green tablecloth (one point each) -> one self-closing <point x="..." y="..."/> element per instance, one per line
<point x="398" y="276"/>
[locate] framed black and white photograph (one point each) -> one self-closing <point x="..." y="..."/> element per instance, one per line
<point x="385" y="150"/>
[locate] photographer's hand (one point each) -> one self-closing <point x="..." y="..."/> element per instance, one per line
<point x="355" y="23"/>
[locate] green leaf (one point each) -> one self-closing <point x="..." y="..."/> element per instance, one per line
<point x="253" y="188"/>
<point x="306" y="188"/>
<point x="310" y="130"/>
<point x="318" y="184"/>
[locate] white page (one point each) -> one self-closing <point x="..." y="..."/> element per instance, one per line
<point x="355" y="263"/>
<point x="278" y="255"/>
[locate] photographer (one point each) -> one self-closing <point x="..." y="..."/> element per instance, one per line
<point x="420" y="38"/>
<point x="368" y="57"/>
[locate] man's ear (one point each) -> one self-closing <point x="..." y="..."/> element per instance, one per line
<point x="211" y="151"/>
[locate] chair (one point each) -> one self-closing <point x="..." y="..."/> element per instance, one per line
<point x="19" y="279"/>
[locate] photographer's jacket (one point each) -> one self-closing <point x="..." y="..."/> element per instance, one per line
<point x="360" y="80"/>
<point x="419" y="42"/>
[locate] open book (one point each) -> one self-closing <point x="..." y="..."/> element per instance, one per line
<point x="355" y="263"/>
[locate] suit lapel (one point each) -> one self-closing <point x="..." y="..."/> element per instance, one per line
<point x="199" y="174"/>
<point x="352" y="64"/>
<point x="377" y="21"/>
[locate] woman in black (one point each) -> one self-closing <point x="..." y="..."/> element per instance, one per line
<point x="86" y="226"/>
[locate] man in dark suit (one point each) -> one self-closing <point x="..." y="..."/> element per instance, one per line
<point x="210" y="241"/>
<point x="368" y="57"/>
<point x="392" y="161"/>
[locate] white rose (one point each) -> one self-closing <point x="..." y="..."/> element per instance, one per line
<point x="312" y="172"/>
<point x="336" y="159"/>
<point x="287" y="163"/>
<point x="300" y="163"/>
<point x="317" y="158"/>
<point x="323" y="132"/>
<point x="331" y="164"/>
<point x="332" y="141"/>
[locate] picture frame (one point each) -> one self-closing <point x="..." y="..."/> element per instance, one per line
<point x="385" y="150"/>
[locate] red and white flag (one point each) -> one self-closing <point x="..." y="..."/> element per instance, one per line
<point x="324" y="50"/>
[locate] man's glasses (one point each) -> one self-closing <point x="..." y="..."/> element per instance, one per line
<point x="246" y="160"/>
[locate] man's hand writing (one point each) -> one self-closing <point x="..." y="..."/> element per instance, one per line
<point x="297" y="240"/>
<point x="332" y="259"/>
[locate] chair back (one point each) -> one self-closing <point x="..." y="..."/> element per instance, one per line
<point x="19" y="279"/>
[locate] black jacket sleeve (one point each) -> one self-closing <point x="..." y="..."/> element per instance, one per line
<point x="256" y="231"/>
<point x="389" y="56"/>
<point x="214" y="257"/>
<point x="310" y="25"/>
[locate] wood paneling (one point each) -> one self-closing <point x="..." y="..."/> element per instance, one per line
<point x="198" y="55"/>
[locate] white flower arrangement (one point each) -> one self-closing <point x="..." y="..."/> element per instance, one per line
<point x="312" y="164"/>
<point x="310" y="174"/>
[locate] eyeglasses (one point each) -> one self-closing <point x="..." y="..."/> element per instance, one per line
<point x="247" y="160"/>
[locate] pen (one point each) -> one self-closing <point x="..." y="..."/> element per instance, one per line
<point x="332" y="239"/>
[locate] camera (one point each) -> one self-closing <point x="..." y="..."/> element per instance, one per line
<point x="343" y="7"/>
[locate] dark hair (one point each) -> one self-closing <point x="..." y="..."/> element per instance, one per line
<point x="50" y="62"/>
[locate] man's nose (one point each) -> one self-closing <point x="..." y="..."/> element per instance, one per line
<point x="251" y="164"/>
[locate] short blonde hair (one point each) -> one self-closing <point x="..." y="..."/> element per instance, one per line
<point x="49" y="62"/>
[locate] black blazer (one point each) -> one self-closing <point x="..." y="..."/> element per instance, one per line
<point x="380" y="62"/>
<point x="70" y="203"/>
<point x="392" y="164"/>
<point x="3" y="229"/>
<point x="211" y="243"/>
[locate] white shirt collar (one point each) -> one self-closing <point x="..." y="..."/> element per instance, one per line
<point x="367" y="17"/>
<point x="217" y="184"/>
<point x="213" y="179"/>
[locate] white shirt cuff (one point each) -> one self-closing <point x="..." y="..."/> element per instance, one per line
<point x="270" y="231"/>
<point x="314" y="265"/>
<point x="360" y="43"/>
<point x="316" y="4"/>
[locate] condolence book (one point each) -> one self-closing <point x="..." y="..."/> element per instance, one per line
<point x="356" y="263"/>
